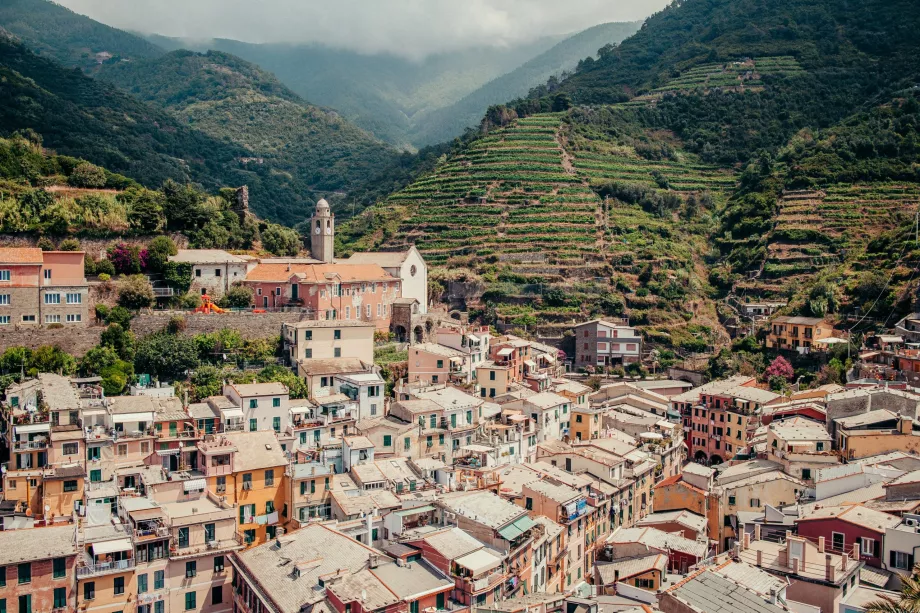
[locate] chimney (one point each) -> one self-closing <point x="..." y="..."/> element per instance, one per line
<point x="747" y="541"/>
<point x="759" y="557"/>
<point x="843" y="563"/>
<point x="820" y="544"/>
<point x="772" y="597"/>
<point x="907" y="424"/>
<point x="855" y="551"/>
<point x="757" y="532"/>
<point x="828" y="568"/>
<point x="372" y="560"/>
<point x="795" y="566"/>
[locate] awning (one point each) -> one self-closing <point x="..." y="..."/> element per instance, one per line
<point x="530" y="363"/>
<point x="173" y="451"/>
<point x="473" y="338"/>
<point x="477" y="448"/>
<point x="517" y="528"/>
<point x="479" y="561"/>
<point x="194" y="485"/>
<point x="415" y="510"/>
<point x="232" y="412"/>
<point x="549" y="358"/>
<point x="123" y="418"/>
<point x="506" y="351"/>
<point x="105" y="547"/>
<point x="33" y="428"/>
<point x="295" y="410"/>
<point x="92" y="412"/>
<point x="456" y="360"/>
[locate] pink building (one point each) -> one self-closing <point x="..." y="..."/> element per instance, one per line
<point x="353" y="292"/>
<point x="434" y="363"/>
<point x="42" y="287"/>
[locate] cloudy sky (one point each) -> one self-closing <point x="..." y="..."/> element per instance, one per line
<point x="412" y="28"/>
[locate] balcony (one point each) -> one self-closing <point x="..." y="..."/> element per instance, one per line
<point x="226" y="544"/>
<point x="92" y="569"/>
<point x="484" y="583"/>
<point x="178" y="435"/>
<point x="216" y="471"/>
<point x="151" y="532"/>
<point x="30" y="445"/>
<point x="233" y="427"/>
<point x="98" y="434"/>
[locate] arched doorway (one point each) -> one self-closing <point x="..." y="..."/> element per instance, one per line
<point x="700" y="456"/>
<point x="714" y="460"/>
<point x="401" y="335"/>
<point x="419" y="334"/>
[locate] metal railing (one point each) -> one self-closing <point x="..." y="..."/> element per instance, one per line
<point x="23" y="445"/>
<point x="98" y="568"/>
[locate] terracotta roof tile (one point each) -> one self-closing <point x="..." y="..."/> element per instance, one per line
<point x="20" y="255"/>
<point x="319" y="273"/>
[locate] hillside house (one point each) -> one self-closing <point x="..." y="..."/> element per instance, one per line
<point x="42" y="288"/>
<point x="602" y="344"/>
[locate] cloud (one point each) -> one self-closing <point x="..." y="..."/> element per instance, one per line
<point x="410" y="28"/>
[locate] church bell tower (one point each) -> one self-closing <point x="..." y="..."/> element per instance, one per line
<point x="322" y="233"/>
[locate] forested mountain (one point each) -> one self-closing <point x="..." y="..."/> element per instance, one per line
<point x="380" y="93"/>
<point x="73" y="40"/>
<point x="445" y="123"/>
<point x="232" y="100"/>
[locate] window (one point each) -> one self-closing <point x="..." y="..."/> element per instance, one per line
<point x="367" y="311"/>
<point x="183" y="537"/>
<point x="209" y="532"/>
<point x="269" y="477"/>
<point x="373" y="410"/>
<point x="806" y="473"/>
<point x="95" y="476"/>
<point x="731" y="499"/>
<point x="337" y="352"/>
<point x="407" y="443"/>
<point x="25" y="603"/>
<point x="387" y="440"/>
<point x="74" y="299"/>
<point x="308" y="353"/>
<point x="119" y="586"/>
<point x="867" y="546"/>
<point x="253" y="403"/>
<point x="159" y="606"/>
<point x="60" y="597"/>
<point x="898" y="559"/>
<point x="819" y="446"/>
<point x="74" y="318"/>
<point x="28" y="319"/>
<point x="197" y="272"/>
<point x="337" y="334"/>
<point x="217" y="594"/>
<point x="276" y="424"/>
<point x="4" y="320"/>
<point x="25" y="573"/>
<point x="4" y="300"/>
<point x="47" y="272"/>
<point x="755" y="502"/>
<point x="253" y="424"/>
<point x="269" y="507"/>
<point x="159" y="579"/>
<point x="189" y="601"/>
<point x="89" y="590"/>
<point x="249" y="536"/>
<point x="221" y="485"/>
<point x="4" y="275"/>
<point x="218" y="564"/>
<point x="277" y="291"/>
<point x="191" y="569"/>
<point x="52" y="319"/>
<point x="142" y="583"/>
<point x="52" y="299"/>
<point x="838" y="541"/>
<point x="59" y="566"/>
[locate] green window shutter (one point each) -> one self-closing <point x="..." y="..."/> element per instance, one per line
<point x="60" y="568"/>
<point x="387" y="440"/>
<point x="253" y="424"/>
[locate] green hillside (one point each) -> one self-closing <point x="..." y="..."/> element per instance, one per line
<point x="237" y="102"/>
<point x="73" y="40"/>
<point x="445" y="123"/>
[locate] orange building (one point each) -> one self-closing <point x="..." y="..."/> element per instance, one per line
<point x="42" y="287"/>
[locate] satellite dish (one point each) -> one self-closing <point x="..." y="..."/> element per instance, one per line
<point x="47" y="508"/>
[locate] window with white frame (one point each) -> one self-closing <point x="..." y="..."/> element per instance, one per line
<point x="74" y="299"/>
<point x="48" y="273"/>
<point x="277" y="291"/>
<point x="368" y="312"/>
<point x="867" y="546"/>
<point x="28" y="319"/>
<point x="74" y="318"/>
<point x="52" y="319"/>
<point x="901" y="560"/>
<point x="348" y="312"/>
<point x="378" y="310"/>
<point x="4" y="320"/>
<point x="52" y="299"/>
<point x="4" y="300"/>
<point x="4" y="275"/>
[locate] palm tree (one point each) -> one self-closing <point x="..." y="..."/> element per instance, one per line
<point x="909" y="602"/>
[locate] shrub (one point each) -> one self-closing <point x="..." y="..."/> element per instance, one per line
<point x="176" y="325"/>
<point x="237" y="297"/>
<point x="166" y="356"/>
<point x="127" y="259"/>
<point x="190" y="301"/>
<point x="69" y="244"/>
<point x="104" y="267"/>
<point x="135" y="292"/>
<point x="89" y="266"/>
<point x="45" y="244"/>
<point x="280" y="240"/>
<point x="87" y="175"/>
<point x="158" y="252"/>
<point x="119" y="315"/>
<point x="104" y="277"/>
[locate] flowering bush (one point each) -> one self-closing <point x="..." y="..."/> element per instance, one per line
<point x="127" y="259"/>
<point x="780" y="367"/>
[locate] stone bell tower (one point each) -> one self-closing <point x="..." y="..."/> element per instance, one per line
<point x="322" y="232"/>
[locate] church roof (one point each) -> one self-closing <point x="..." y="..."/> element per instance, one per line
<point x="319" y="273"/>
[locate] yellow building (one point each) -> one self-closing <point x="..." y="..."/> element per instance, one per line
<point x="248" y="470"/>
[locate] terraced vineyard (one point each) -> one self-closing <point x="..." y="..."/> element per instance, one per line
<point x="816" y="229"/>
<point x="509" y="193"/>
<point x="743" y="75"/>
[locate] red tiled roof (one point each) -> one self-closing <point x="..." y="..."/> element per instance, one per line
<point x="668" y="481"/>
<point x="319" y="273"/>
<point x="20" y="255"/>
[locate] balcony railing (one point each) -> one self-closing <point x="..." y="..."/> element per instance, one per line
<point x="234" y="427"/>
<point x="216" y="471"/>
<point x="26" y="445"/>
<point x="152" y="533"/>
<point x="100" y="568"/>
<point x="488" y="582"/>
<point x="232" y="542"/>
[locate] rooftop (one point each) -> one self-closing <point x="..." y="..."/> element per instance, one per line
<point x="557" y="493"/>
<point x="207" y="256"/>
<point x="332" y="366"/>
<point x="685" y="518"/>
<point x="256" y="450"/>
<point x="712" y="593"/>
<point x="246" y="390"/>
<point x="309" y="324"/>
<point x="483" y="507"/>
<point x="611" y="572"/>
<point x="658" y="539"/>
<point x="855" y="514"/>
<point x="319" y="273"/>
<point x="31" y="544"/>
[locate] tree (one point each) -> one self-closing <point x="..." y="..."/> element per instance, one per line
<point x="118" y="315"/>
<point x="206" y="381"/>
<point x="51" y="359"/>
<point x="98" y="359"/>
<point x="909" y="601"/>
<point x="166" y="356"/>
<point x="87" y="175"/>
<point x="135" y="292"/>
<point x="119" y="339"/>
<point x="280" y="240"/>
<point x="158" y="252"/>
<point x="145" y="213"/>
<point x="237" y="297"/>
<point x="69" y="244"/>
<point x="780" y="367"/>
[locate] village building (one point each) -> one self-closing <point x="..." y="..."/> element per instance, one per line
<point x="42" y="288"/>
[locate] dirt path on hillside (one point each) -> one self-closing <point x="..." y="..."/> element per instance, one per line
<point x="566" y="158"/>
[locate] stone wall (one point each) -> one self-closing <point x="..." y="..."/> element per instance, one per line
<point x="75" y="340"/>
<point x="249" y="325"/>
<point x="96" y="247"/>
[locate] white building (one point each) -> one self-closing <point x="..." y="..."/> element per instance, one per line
<point x="264" y="405"/>
<point x="407" y="266"/>
<point x="366" y="389"/>
<point x="214" y="271"/>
